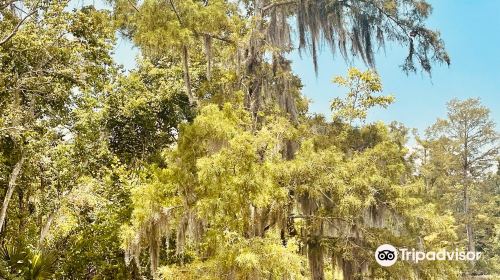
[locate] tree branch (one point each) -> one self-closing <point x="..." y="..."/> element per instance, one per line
<point x="133" y="6"/>
<point x="10" y="190"/>
<point x="277" y="4"/>
<point x="396" y="21"/>
<point x="175" y="11"/>
<point x="16" y="28"/>
<point x="217" y="37"/>
<point x="46" y="227"/>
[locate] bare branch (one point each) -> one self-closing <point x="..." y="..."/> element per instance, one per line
<point x="175" y="11"/>
<point x="133" y="6"/>
<point x="381" y="10"/>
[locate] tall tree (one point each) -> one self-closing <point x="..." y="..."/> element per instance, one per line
<point x="55" y="59"/>
<point x="203" y="162"/>
<point x="472" y="144"/>
<point x="245" y="31"/>
<point x="235" y="40"/>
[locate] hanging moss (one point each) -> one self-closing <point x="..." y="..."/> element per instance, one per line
<point x="357" y="28"/>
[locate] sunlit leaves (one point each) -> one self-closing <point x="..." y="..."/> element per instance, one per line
<point x="361" y="96"/>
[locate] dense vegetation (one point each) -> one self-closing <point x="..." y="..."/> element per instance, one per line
<point x="203" y="161"/>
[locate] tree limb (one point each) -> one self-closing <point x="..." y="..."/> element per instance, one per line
<point x="46" y="227"/>
<point x="16" y="28"/>
<point x="217" y="37"/>
<point x="396" y="21"/>
<point x="175" y="11"/>
<point x="10" y="190"/>
<point x="277" y="4"/>
<point x="187" y="78"/>
<point x="133" y="6"/>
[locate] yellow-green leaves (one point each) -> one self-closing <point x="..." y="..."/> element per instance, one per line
<point x="245" y="258"/>
<point x="360" y="98"/>
<point x="160" y="26"/>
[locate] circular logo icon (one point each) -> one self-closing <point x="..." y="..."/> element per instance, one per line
<point x="386" y="255"/>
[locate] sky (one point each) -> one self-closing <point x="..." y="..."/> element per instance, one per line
<point x="470" y="29"/>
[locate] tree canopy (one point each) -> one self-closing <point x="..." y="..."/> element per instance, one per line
<point x="204" y="162"/>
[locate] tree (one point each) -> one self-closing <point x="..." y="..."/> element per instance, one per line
<point x="486" y="221"/>
<point x="186" y="201"/>
<point x="473" y="144"/>
<point x="56" y="59"/>
<point x="203" y="162"/>
<point x="37" y="80"/>
<point x="238" y="35"/>
<point x="360" y="98"/>
<point x="143" y="111"/>
<point x="231" y="204"/>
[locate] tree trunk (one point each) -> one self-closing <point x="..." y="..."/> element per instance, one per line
<point x="315" y="256"/>
<point x="10" y="190"/>
<point x="468" y="225"/>
<point x="466" y="166"/>
<point x="187" y="78"/>
<point x="46" y="227"/>
<point x="207" y="41"/>
<point x="154" y="249"/>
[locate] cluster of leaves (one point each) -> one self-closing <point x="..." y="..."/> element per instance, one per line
<point x="360" y="98"/>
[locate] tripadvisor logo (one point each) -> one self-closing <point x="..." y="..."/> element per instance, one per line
<point x="387" y="255"/>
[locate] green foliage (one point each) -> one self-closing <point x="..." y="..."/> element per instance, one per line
<point x="202" y="162"/>
<point x="27" y="263"/>
<point x="361" y="199"/>
<point x="143" y="110"/>
<point x="458" y="157"/>
<point x="244" y="258"/>
<point x="180" y="22"/>
<point x="362" y="86"/>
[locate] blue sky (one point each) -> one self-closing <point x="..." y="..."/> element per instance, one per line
<point x="471" y="32"/>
